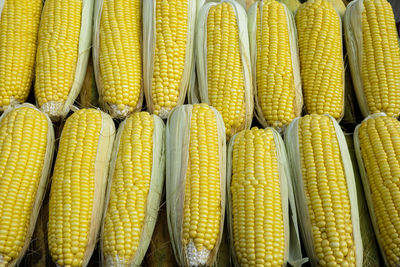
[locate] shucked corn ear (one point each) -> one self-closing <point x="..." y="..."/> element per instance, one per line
<point x="19" y="25"/>
<point x="63" y="51"/>
<point x="78" y="186"/>
<point x="275" y="64"/>
<point x="223" y="63"/>
<point x="195" y="183"/>
<point x="137" y="180"/>
<point x="168" y="40"/>
<point x="26" y="152"/>
<point x="319" y="32"/>
<point x="374" y="56"/>
<point x="259" y="193"/>
<point x="325" y="191"/>
<point x="378" y="155"/>
<point x="117" y="55"/>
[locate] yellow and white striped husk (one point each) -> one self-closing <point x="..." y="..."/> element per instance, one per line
<point x="292" y="247"/>
<point x="19" y="25"/>
<point x="239" y="120"/>
<point x="36" y="191"/>
<point x="294" y="154"/>
<point x="176" y="76"/>
<point x="56" y="106"/>
<point x="374" y="69"/>
<point x="120" y="84"/>
<point x="177" y="165"/>
<point x="292" y="104"/>
<point x="387" y="240"/>
<point x="81" y="127"/>
<point x="153" y="197"/>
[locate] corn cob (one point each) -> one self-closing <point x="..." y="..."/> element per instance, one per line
<point x="26" y="145"/>
<point x="168" y="36"/>
<point x="195" y="183"/>
<point x="19" y="25"/>
<point x="293" y="5"/>
<point x="325" y="191"/>
<point x="374" y="56"/>
<point x="339" y="6"/>
<point x="223" y="63"/>
<point x="321" y="58"/>
<point x="137" y="179"/>
<point x="117" y="55"/>
<point x="377" y="150"/>
<point x="78" y="189"/>
<point x="62" y="54"/>
<point x="275" y="64"/>
<point x="258" y="201"/>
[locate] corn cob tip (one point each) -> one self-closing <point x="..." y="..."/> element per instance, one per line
<point x="196" y="257"/>
<point x="120" y="110"/>
<point x="164" y="112"/>
<point x="53" y="109"/>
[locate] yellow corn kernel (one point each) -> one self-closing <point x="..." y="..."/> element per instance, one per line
<point x="257" y="215"/>
<point x="224" y="67"/>
<point x="57" y="53"/>
<point x="321" y="58"/>
<point x="326" y="192"/>
<point x="120" y="56"/>
<point x="380" y="63"/>
<point x="23" y="143"/>
<point x="129" y="190"/>
<point x="19" y="25"/>
<point x="274" y="70"/>
<point x="169" y="54"/>
<point x="76" y="183"/>
<point x="380" y="150"/>
<point x="202" y="199"/>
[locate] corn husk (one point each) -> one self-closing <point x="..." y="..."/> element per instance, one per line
<point x="365" y="183"/>
<point x="354" y="43"/>
<point x="59" y="110"/>
<point x="42" y="184"/>
<point x="110" y="108"/>
<point x="293" y="5"/>
<point x="370" y="246"/>
<point x="153" y="197"/>
<point x="89" y="97"/>
<point x="339" y="6"/>
<point x="293" y="148"/>
<point x="201" y="59"/>
<point x="177" y="153"/>
<point x="298" y="100"/>
<point x="149" y="41"/>
<point x="101" y="168"/>
<point x="292" y="252"/>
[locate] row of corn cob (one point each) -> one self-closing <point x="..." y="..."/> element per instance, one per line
<point x="250" y="176"/>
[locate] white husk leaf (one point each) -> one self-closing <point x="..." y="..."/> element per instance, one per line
<point x="292" y="145"/>
<point x="153" y="197"/>
<point x="201" y="57"/>
<point x="112" y="109"/>
<point x="149" y="40"/>
<point x="365" y="182"/>
<point x="59" y="110"/>
<point x="41" y="190"/>
<point x="252" y="25"/>
<point x="177" y="152"/>
<point x="292" y="252"/>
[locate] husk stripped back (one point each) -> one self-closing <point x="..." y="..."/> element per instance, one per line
<point x="117" y="110"/>
<point x="201" y="63"/>
<point x="294" y="155"/>
<point x="153" y="197"/>
<point x="100" y="168"/>
<point x="353" y="31"/>
<point x="149" y="52"/>
<point x="367" y="187"/>
<point x="370" y="246"/>
<point x="293" y="5"/>
<point x="42" y="183"/>
<point x="292" y="246"/>
<point x="297" y="100"/>
<point x="89" y="97"/>
<point x="59" y="110"/>
<point x="177" y="161"/>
